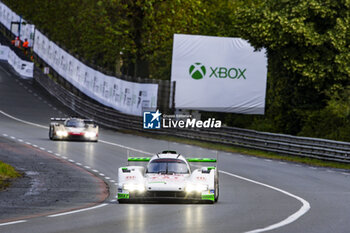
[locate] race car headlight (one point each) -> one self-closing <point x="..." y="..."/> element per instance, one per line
<point x="90" y="134"/>
<point x="62" y="133"/>
<point x="196" y="188"/>
<point x="134" y="187"/>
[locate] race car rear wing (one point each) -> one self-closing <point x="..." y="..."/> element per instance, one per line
<point x="190" y="160"/>
<point x="58" y="119"/>
<point x="90" y="122"/>
<point x="139" y="159"/>
<point x="86" y="121"/>
<point x="205" y="169"/>
<point x="201" y="160"/>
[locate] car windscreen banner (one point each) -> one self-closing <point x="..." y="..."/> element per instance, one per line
<point x="218" y="74"/>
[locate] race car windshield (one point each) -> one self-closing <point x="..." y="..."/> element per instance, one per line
<point x="167" y="166"/>
<point x="75" y="123"/>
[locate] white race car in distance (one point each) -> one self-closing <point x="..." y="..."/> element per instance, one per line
<point x="168" y="176"/>
<point x="73" y="129"/>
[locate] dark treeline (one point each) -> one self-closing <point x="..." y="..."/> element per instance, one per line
<point x="307" y="43"/>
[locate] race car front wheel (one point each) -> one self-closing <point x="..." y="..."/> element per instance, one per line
<point x="51" y="133"/>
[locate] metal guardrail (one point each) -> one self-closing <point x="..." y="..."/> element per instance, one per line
<point x="279" y="143"/>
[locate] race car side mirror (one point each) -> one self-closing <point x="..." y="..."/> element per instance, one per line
<point x="126" y="170"/>
<point x="207" y="169"/>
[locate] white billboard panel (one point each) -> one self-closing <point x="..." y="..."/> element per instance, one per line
<point x="11" y="21"/>
<point x="24" y="68"/>
<point x="127" y="97"/>
<point x="4" y="52"/>
<point x="218" y="74"/>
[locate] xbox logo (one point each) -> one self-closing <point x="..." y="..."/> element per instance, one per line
<point x="197" y="71"/>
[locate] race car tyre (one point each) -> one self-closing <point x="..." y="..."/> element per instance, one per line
<point x="51" y="133"/>
<point x="216" y="191"/>
<point x="123" y="201"/>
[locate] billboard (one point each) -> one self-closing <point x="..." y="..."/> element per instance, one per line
<point x="218" y="74"/>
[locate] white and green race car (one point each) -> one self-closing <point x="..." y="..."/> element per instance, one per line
<point x="168" y="176"/>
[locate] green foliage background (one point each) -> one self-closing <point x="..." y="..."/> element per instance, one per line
<point x="307" y="43"/>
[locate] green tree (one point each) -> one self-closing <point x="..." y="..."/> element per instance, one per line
<point x="307" y="45"/>
<point x="137" y="34"/>
<point x="162" y="19"/>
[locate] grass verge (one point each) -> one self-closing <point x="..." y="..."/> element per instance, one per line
<point x="7" y="172"/>
<point x="241" y="150"/>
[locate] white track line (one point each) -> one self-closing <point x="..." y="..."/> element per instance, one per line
<point x="3" y="69"/>
<point x="10" y="223"/>
<point x="25" y="122"/>
<point x="304" y="209"/>
<point x="126" y="147"/>
<point x="76" y="211"/>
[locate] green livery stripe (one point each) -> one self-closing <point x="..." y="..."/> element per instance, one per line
<point x="210" y="160"/>
<point x="123" y="196"/>
<point x="139" y="159"/>
<point x="208" y="197"/>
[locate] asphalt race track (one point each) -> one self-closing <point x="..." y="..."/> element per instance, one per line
<point x="256" y="195"/>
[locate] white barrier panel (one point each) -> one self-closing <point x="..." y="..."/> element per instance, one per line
<point x="4" y="52"/>
<point x="127" y="97"/>
<point x="7" y="16"/>
<point x="23" y="68"/>
<point x="218" y="74"/>
<point x="27" y="32"/>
